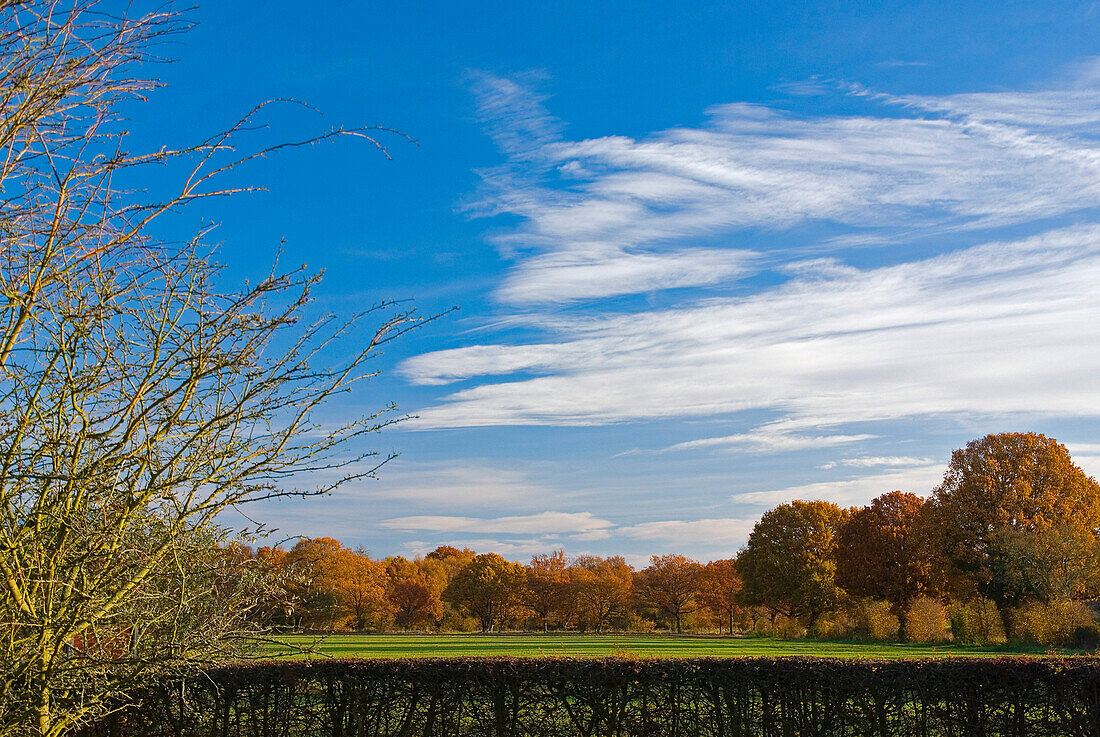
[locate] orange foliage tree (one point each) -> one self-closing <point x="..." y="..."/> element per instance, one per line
<point x="414" y="591"/>
<point x="360" y="585"/>
<point x="603" y="588"/>
<point x="548" y="590"/>
<point x="719" y="591"/>
<point x="879" y="554"/>
<point x="995" y="490"/>
<point x="489" y="588"/>
<point x="670" y="585"/>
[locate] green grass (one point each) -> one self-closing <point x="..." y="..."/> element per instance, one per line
<point x="664" y="646"/>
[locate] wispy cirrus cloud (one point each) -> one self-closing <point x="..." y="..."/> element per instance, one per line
<point x="713" y="532"/>
<point x="874" y="461"/>
<point x="544" y="523"/>
<point x="770" y="439"/>
<point x="597" y="209"/>
<point x="929" y="257"/>
<point x="924" y="337"/>
<point x="860" y="490"/>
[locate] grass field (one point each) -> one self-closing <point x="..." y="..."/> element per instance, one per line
<point x="665" y="646"/>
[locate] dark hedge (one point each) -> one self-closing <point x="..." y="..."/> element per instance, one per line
<point x="562" y="697"/>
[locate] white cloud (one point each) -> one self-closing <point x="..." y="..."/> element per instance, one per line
<point x="872" y="461"/>
<point x="459" y="485"/>
<point x="956" y="161"/>
<point x="544" y="523"/>
<point x="854" y="491"/>
<point x="519" y="549"/>
<point x="700" y="532"/>
<point x="770" y="440"/>
<point x="1001" y="328"/>
<point x="1006" y="327"/>
<point x="601" y="270"/>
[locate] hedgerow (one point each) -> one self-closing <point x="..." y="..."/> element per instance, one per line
<point x="562" y="697"/>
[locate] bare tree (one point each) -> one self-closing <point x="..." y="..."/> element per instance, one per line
<point x="139" y="399"/>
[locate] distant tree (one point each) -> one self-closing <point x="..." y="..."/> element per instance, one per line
<point x="548" y="591"/>
<point x="670" y="585"/>
<point x="489" y="588"/>
<point x="720" y="589"/>
<point x="789" y="562"/>
<point x="603" y="588"/>
<point x="995" y="490"/>
<point x="879" y="554"/>
<point x="450" y="559"/>
<point x="360" y="585"/>
<point x="414" y="592"/>
<point x="312" y="564"/>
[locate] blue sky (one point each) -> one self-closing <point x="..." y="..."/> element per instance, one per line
<point x="707" y="259"/>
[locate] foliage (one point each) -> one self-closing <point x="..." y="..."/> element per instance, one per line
<point x="550" y="595"/>
<point x="414" y="591"/>
<point x="561" y="697"/>
<point x="878" y="554"/>
<point x="868" y="619"/>
<point x="926" y="621"/>
<point x="603" y="589"/>
<point x="489" y="588"/>
<point x="670" y="585"/>
<point x="719" y="591"/>
<point x="1058" y="563"/>
<point x="1022" y="483"/>
<point x="789" y="563"/>
<point x="1055" y="623"/>
<point x="976" y="622"/>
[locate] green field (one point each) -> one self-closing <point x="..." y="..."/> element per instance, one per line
<point x="665" y="646"/>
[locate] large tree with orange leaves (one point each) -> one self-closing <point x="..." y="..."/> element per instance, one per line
<point x="548" y="590"/>
<point x="995" y="490"/>
<point x="879" y="554"/>
<point x="603" y="588"/>
<point x="720" y="589"/>
<point x="414" y="591"/>
<point x="670" y="585"/>
<point x="489" y="588"/>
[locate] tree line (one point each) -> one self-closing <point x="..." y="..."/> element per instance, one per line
<point x="1006" y="546"/>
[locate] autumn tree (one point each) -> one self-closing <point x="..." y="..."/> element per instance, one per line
<point x="548" y="590"/>
<point x="998" y="491"/>
<point x="312" y="564"/>
<point x="670" y="585"/>
<point x="1060" y="563"/>
<point x="414" y="591"/>
<point x="879" y="553"/>
<point x="603" y="588"/>
<point x="450" y="559"/>
<point x="360" y="585"/>
<point x="789" y="563"/>
<point x="720" y="590"/>
<point x="140" y="396"/>
<point x="489" y="588"/>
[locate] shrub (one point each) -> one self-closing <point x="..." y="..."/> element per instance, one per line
<point x="788" y="628"/>
<point x="926" y="621"/>
<point x="1086" y="638"/>
<point x="977" y="622"/>
<point x="866" y="619"/>
<point x="625" y="697"/>
<point x="1053" y="624"/>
